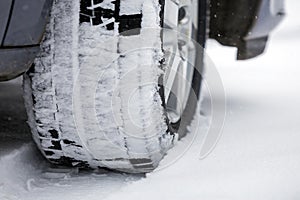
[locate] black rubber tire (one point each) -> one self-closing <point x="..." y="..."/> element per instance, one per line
<point x="48" y="131"/>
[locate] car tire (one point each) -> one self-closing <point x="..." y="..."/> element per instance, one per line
<point x="95" y="95"/>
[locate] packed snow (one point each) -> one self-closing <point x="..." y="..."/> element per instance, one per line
<point x="257" y="157"/>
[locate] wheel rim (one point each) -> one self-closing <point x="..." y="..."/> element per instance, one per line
<point x="180" y="22"/>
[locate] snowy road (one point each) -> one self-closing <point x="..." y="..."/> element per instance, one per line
<point x="13" y="129"/>
<point x="258" y="156"/>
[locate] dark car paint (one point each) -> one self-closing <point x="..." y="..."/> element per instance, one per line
<point x="27" y="22"/>
<point x="245" y="24"/>
<point x="16" y="61"/>
<point x="22" y="26"/>
<point x="5" y="7"/>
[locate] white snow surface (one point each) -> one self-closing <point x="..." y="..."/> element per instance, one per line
<point x="258" y="156"/>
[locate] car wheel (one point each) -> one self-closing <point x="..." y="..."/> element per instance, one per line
<point x="110" y="87"/>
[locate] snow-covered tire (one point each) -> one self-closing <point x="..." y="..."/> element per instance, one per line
<point x="93" y="96"/>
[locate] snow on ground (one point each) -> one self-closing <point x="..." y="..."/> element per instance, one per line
<point x="258" y="156"/>
<point x="26" y="175"/>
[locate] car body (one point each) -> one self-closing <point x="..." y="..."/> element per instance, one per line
<point x="22" y="25"/>
<point x="245" y="24"/>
